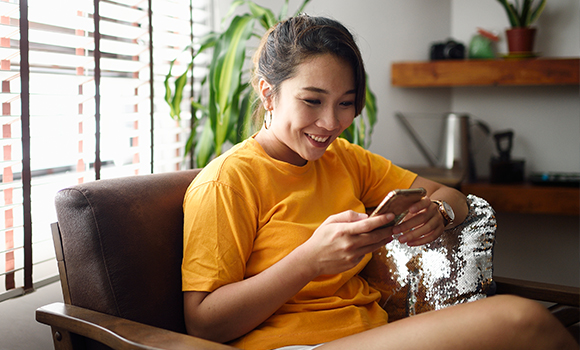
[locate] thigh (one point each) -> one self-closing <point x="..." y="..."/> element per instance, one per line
<point x="500" y="322"/>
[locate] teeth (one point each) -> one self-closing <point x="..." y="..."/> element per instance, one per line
<point x="318" y="138"/>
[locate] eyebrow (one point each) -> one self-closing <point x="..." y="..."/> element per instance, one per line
<point x="322" y="91"/>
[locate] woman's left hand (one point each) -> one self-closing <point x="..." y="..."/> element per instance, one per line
<point x="422" y="225"/>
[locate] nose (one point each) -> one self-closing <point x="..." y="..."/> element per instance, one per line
<point x="328" y="119"/>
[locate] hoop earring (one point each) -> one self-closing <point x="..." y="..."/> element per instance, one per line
<point x="267" y="119"/>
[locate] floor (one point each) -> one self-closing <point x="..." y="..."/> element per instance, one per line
<point x="544" y="249"/>
<point x="18" y="327"/>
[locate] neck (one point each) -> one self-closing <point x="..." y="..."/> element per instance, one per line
<point x="277" y="149"/>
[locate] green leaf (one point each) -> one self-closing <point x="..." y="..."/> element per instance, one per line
<point x="174" y="101"/>
<point x="537" y="12"/>
<point x="301" y="8"/>
<point x="283" y="11"/>
<point x="199" y="106"/>
<point x="205" y="147"/>
<point x="178" y="97"/>
<point x="511" y="13"/>
<point x="348" y="133"/>
<point x="207" y="41"/>
<point x="357" y="132"/>
<point x="244" y="124"/>
<point x="233" y="7"/>
<point x="370" y="111"/>
<point x="525" y="13"/>
<point x="265" y="16"/>
<point x="225" y="75"/>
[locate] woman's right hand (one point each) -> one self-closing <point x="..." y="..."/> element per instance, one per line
<point x="342" y="241"/>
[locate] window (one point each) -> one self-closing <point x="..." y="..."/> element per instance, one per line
<point x="82" y="99"/>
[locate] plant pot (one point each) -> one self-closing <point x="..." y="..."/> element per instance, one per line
<point x="521" y="40"/>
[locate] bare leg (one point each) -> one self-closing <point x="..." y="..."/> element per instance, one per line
<point x="500" y="322"/>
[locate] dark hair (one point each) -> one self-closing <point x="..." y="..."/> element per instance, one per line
<point x="292" y="41"/>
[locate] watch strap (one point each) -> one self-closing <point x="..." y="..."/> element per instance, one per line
<point x="447" y="220"/>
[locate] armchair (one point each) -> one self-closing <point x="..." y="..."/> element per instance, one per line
<point x="119" y="248"/>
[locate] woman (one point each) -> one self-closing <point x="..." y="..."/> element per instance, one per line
<point x="276" y="232"/>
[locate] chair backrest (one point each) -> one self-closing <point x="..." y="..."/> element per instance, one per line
<point x="119" y="243"/>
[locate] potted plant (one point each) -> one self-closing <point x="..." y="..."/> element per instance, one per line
<point x="226" y="110"/>
<point x="522" y="14"/>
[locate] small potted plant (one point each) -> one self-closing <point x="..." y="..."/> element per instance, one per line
<point x="522" y="14"/>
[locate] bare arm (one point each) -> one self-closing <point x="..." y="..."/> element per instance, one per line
<point x="237" y="308"/>
<point x="233" y="310"/>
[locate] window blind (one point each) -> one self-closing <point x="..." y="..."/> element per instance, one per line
<point x="82" y="99"/>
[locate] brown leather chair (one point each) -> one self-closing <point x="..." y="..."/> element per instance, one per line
<point x="119" y="249"/>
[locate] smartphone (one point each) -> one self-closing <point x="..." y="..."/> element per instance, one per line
<point x="398" y="203"/>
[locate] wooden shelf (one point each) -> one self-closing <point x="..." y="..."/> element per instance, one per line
<point x="527" y="198"/>
<point x="495" y="72"/>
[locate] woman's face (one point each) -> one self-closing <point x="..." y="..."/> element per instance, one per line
<point x="310" y="110"/>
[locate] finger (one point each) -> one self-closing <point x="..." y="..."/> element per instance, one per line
<point x="424" y="203"/>
<point x="411" y="222"/>
<point x="423" y="234"/>
<point x="373" y="223"/>
<point x="372" y="243"/>
<point x="429" y="237"/>
<point x="414" y="220"/>
<point x="346" y="216"/>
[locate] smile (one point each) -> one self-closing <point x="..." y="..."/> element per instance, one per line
<point x="320" y="139"/>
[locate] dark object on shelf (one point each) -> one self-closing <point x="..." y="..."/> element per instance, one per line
<point x="449" y="50"/>
<point x="504" y="169"/>
<point x="556" y="179"/>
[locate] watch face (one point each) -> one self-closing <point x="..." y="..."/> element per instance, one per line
<point x="449" y="211"/>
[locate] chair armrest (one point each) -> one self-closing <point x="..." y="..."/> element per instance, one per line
<point x="115" y="332"/>
<point x="553" y="293"/>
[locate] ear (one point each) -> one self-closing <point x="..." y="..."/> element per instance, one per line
<point x="265" y="94"/>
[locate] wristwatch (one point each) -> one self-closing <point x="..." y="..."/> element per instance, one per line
<point x="446" y="211"/>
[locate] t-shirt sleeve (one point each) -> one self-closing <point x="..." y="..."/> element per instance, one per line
<point x="219" y="229"/>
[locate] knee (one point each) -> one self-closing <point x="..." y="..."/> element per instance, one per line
<point x="529" y="320"/>
<point x="523" y="313"/>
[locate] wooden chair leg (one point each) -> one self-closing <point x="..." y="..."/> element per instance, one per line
<point x="62" y="339"/>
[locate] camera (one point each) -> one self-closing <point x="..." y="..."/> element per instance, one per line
<point x="449" y="50"/>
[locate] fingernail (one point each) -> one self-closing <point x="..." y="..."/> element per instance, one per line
<point x="403" y="239"/>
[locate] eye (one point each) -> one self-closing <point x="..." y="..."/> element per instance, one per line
<point x="347" y="103"/>
<point x="312" y="101"/>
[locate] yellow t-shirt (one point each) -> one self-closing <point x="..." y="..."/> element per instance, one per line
<point x="245" y="211"/>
